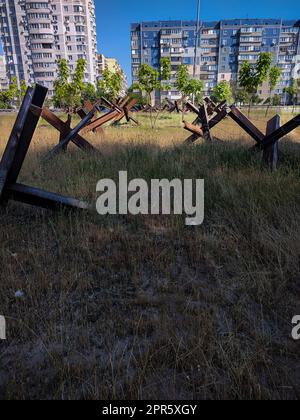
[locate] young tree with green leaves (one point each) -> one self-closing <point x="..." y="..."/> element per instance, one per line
<point x="252" y="76"/>
<point x="274" y="77"/>
<point x="148" y="83"/>
<point x="242" y="97"/>
<point x="182" y="79"/>
<point x="6" y="99"/>
<point x="297" y="82"/>
<point x="22" y="90"/>
<point x="293" y="91"/>
<point x="89" y="93"/>
<point x="276" y="100"/>
<point x="69" y="87"/>
<point x="151" y="80"/>
<point x="61" y="84"/>
<point x="14" y="95"/>
<point x="110" y="85"/>
<point x="165" y="69"/>
<point x="187" y="86"/>
<point x="222" y="92"/>
<point x="165" y="74"/>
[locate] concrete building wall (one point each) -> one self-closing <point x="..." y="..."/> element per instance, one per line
<point x="36" y="34"/>
<point x="221" y="49"/>
<point x="3" y="74"/>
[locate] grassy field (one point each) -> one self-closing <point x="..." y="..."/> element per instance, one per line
<point x="145" y="307"/>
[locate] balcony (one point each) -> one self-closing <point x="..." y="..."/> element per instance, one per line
<point x="252" y="31"/>
<point x="287" y="40"/>
<point x="248" y="57"/>
<point x="250" y="40"/>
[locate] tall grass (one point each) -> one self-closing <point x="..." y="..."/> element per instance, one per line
<point x="144" y="307"/>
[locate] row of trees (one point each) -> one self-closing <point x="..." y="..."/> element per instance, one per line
<point x="70" y="89"/>
<point x="151" y="80"/>
<point x="245" y="91"/>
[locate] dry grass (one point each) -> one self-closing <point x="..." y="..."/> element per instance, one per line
<point x="136" y="307"/>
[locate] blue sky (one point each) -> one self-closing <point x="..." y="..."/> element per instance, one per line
<point x="114" y="17"/>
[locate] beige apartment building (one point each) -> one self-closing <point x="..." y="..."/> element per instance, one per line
<point x="112" y="65"/>
<point x="36" y="34"/>
<point x="3" y="76"/>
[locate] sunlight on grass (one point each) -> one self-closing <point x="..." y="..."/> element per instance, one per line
<point x="127" y="308"/>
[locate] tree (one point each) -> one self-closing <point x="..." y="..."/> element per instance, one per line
<point x="148" y="80"/>
<point x="165" y="69"/>
<point x="274" y="77"/>
<point x="22" y="90"/>
<point x="78" y="76"/>
<point x="194" y="89"/>
<point x="251" y="77"/>
<point x="5" y="99"/>
<point x="222" y="92"/>
<point x="276" y="100"/>
<point x="61" y="83"/>
<point x="293" y="91"/>
<point x="242" y="97"/>
<point x="256" y="99"/>
<point x="182" y="79"/>
<point x="151" y="80"/>
<point x="297" y="82"/>
<point x="14" y="94"/>
<point x="111" y="84"/>
<point x="69" y="88"/>
<point x="187" y="86"/>
<point x="89" y="93"/>
<point x="141" y="100"/>
<point x="165" y="74"/>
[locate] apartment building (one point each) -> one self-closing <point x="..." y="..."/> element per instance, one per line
<point x="221" y="48"/>
<point x="36" y="34"/>
<point x="3" y="75"/>
<point x="113" y="65"/>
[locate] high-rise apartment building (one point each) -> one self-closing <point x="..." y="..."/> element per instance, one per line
<point x="222" y="48"/>
<point x="113" y="65"/>
<point x="36" y="34"/>
<point x="3" y="76"/>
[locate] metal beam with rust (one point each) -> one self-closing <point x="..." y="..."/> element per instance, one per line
<point x="203" y="116"/>
<point x="126" y="107"/>
<point x="45" y="199"/>
<point x="62" y="127"/>
<point x="246" y="124"/>
<point x="281" y="132"/>
<point x="269" y="142"/>
<point x="88" y="106"/>
<point x="193" y="129"/>
<point x="202" y="125"/>
<point x="20" y="138"/>
<point x="100" y="121"/>
<point x="15" y="154"/>
<point x="270" y="155"/>
<point x="73" y="133"/>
